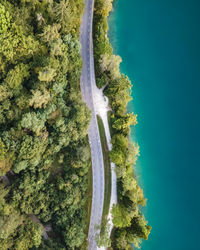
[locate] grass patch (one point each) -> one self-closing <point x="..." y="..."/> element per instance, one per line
<point x="107" y="172"/>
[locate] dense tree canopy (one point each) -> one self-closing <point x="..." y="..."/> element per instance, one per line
<point x="43" y="125"/>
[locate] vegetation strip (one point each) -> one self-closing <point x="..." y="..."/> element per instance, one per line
<point x="103" y="239"/>
<point x="107" y="169"/>
<point x="129" y="222"/>
<point x="88" y="206"/>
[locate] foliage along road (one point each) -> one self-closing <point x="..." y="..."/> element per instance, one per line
<point x="88" y="85"/>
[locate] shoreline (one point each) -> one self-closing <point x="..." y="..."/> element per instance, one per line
<point x="117" y="89"/>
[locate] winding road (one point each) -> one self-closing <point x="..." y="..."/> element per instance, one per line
<point x="88" y="86"/>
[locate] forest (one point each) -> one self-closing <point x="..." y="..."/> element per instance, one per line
<point x="44" y="151"/>
<point x="130" y="226"/>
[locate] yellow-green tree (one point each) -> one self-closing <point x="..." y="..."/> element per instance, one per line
<point x="110" y="63"/>
<point x="103" y="7"/>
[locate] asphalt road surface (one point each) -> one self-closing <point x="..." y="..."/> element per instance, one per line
<point x="87" y="85"/>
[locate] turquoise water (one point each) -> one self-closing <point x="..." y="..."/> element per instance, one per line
<point x="159" y="42"/>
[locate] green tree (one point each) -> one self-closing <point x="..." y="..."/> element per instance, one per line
<point x="34" y="122"/>
<point x="123" y="123"/>
<point x="139" y="227"/>
<point x="119" y="150"/>
<point x="29" y="235"/>
<point x="121" y="240"/>
<point x="40" y="98"/>
<point x="121" y="217"/>
<point x="5" y="208"/>
<point x="4" y="92"/>
<point x="50" y="33"/>
<point x="111" y="64"/>
<point x="47" y="74"/>
<point x="51" y="244"/>
<point x="5" y="19"/>
<point x="16" y="76"/>
<point x="103" y="7"/>
<point x="9" y="223"/>
<point x="14" y="44"/>
<point x="63" y="14"/>
<point x="6" y="159"/>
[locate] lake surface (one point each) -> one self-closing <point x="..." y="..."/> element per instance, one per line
<point x="159" y="42"/>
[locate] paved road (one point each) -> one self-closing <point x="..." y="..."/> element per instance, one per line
<point x="87" y="85"/>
